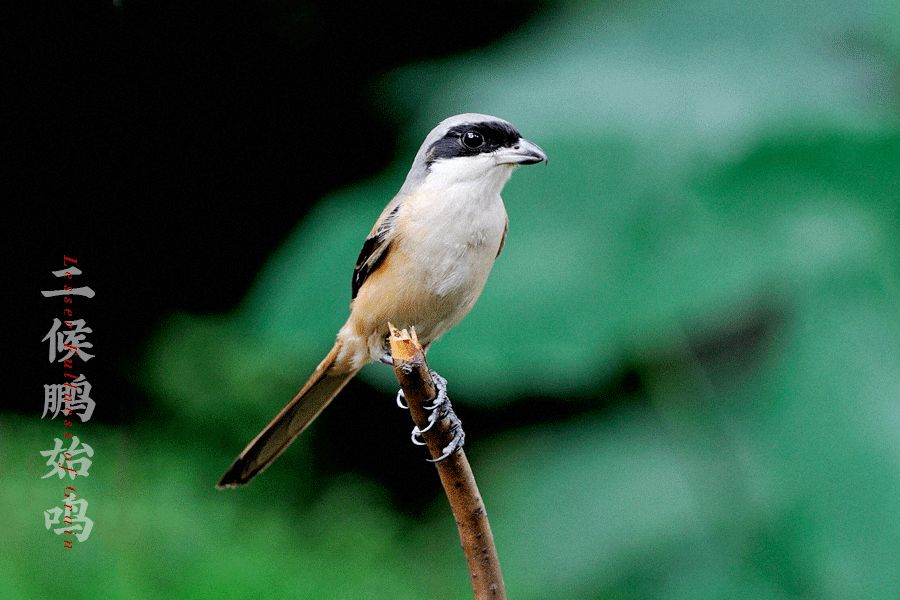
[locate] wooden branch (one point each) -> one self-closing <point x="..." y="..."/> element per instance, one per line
<point x="455" y="473"/>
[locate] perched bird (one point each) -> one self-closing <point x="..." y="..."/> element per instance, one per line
<point x="424" y="264"/>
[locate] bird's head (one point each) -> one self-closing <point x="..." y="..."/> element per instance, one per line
<point x="472" y="148"/>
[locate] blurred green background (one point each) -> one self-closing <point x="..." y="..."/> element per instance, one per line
<point x="682" y="379"/>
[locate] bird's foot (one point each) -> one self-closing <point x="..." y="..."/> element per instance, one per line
<point x="439" y="409"/>
<point x="459" y="436"/>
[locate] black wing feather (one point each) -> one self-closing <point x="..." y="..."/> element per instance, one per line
<point x="373" y="252"/>
<point x="364" y="266"/>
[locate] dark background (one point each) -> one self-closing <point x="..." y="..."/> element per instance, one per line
<point x="173" y="146"/>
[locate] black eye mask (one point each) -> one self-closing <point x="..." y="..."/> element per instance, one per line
<point x="462" y="140"/>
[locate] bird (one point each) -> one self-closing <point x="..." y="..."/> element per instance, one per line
<point x="423" y="265"/>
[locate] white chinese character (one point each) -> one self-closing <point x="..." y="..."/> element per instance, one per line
<point x="69" y="290"/>
<point x="62" y="461"/>
<point x="74" y="396"/>
<point x="71" y="340"/>
<point x="73" y="519"/>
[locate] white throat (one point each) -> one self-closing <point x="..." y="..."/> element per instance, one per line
<point x="477" y="178"/>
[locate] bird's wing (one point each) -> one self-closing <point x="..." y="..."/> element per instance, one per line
<point x="376" y="246"/>
<point x="503" y="239"/>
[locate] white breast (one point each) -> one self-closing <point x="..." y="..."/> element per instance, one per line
<point x="457" y="226"/>
<point x="452" y="226"/>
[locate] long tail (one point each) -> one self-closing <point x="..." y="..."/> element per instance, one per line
<point x="296" y="416"/>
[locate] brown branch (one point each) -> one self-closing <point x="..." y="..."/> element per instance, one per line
<point x="455" y="473"/>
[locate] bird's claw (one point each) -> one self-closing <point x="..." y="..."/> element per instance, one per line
<point x="440" y="384"/>
<point x="440" y="408"/>
<point x="401" y="400"/>
<point x="415" y="437"/>
<point x="459" y="437"/>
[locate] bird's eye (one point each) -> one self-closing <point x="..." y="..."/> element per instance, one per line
<point x="472" y="140"/>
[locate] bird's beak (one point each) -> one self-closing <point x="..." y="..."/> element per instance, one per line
<point x="522" y="152"/>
